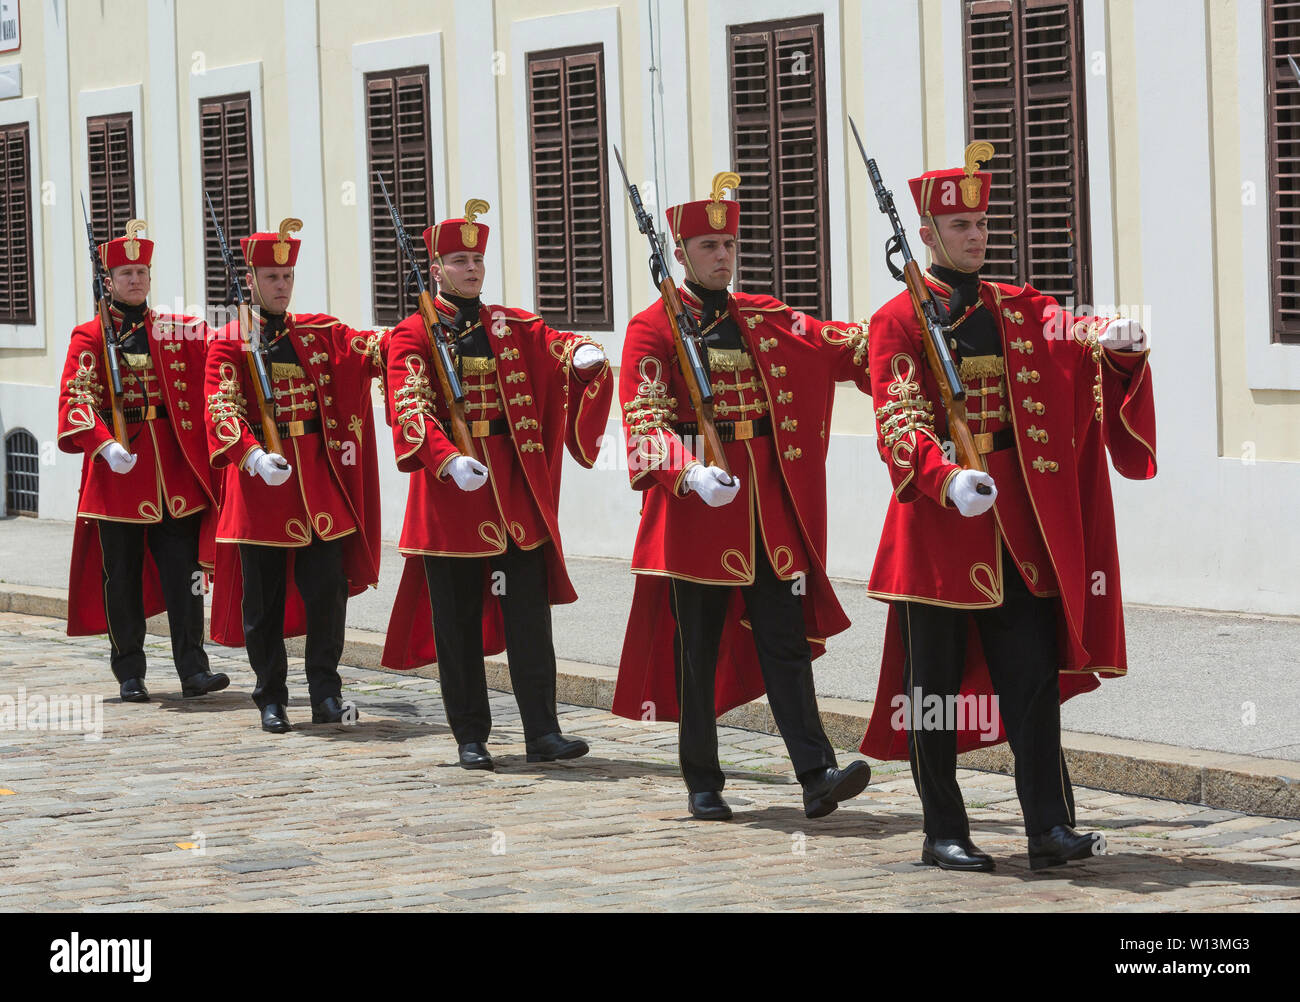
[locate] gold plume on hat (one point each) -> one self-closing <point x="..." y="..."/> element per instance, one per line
<point x="132" y="245"/>
<point x="977" y="154"/>
<point x="468" y="231"/>
<point x="281" y="247"/>
<point x="717" y="211"/>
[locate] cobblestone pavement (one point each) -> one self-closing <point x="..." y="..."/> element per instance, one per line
<point x="376" y="816"/>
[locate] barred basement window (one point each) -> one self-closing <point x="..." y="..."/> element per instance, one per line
<point x="1282" y="38"/>
<point x="397" y="141"/>
<point x="226" y="125"/>
<point x="17" y="301"/>
<point x="1025" y="95"/>
<point x="567" y="145"/>
<point x="110" y="157"/>
<point x="22" y="473"/>
<point x="778" y="115"/>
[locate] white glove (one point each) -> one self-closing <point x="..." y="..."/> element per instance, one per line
<point x="118" y="459"/>
<point x="963" y="494"/>
<point x="468" y="473"/>
<point x="588" y="356"/>
<point x="1123" y="335"/>
<point x="710" y="483"/>
<point x="270" y="466"/>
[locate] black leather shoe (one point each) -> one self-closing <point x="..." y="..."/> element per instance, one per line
<point x="202" y="683"/>
<point x="709" y="807"/>
<point x="955" y="854"/>
<point x="550" y="747"/>
<point x="274" y="719"/>
<point x="825" y="791"/>
<point x="1061" y="844"/>
<point x="475" y="756"/>
<point x="331" y="710"/>
<point x="133" y="691"/>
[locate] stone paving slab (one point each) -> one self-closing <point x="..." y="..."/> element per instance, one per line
<point x="188" y="805"/>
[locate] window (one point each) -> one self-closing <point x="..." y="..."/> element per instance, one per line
<point x="225" y="125"/>
<point x="17" y="300"/>
<point x="22" y="473"/>
<point x="1282" y="37"/>
<point x="778" y="115"/>
<point x="397" y="140"/>
<point x="110" y="157"/>
<point x="1025" y="96"/>
<point x="571" y="242"/>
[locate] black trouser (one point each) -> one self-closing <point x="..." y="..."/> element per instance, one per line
<point x="318" y="572"/>
<point x="174" y="543"/>
<point x="775" y="613"/>
<point x="1019" y="642"/>
<point x="456" y="598"/>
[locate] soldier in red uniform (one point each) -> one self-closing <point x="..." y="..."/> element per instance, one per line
<point x="732" y="596"/>
<point x="481" y="533"/>
<point x="156" y="492"/>
<point x="1016" y="592"/>
<point x="311" y="515"/>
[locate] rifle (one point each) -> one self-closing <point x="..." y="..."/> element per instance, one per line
<point x="933" y="332"/>
<point x="256" y="360"/>
<point x="110" y="336"/>
<point x="686" y="332"/>
<point x="438" y="338"/>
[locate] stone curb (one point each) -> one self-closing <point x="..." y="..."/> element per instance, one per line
<point x="1218" y="780"/>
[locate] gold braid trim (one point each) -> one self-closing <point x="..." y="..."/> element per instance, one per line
<point x="227" y="405"/>
<point x="83" y="387"/>
<point x="909" y="412"/>
<point x="414" y="400"/>
<point x="855" y="336"/>
<point x="653" y="409"/>
<point x="982" y="367"/>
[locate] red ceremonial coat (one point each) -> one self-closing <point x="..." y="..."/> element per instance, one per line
<point x="171" y="472"/>
<point x="1068" y="401"/>
<point x="787" y="372"/>
<point x="333" y="491"/>
<point x="530" y="383"/>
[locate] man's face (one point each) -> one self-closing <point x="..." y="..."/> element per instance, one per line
<point x="460" y="274"/>
<point x="712" y="260"/>
<point x="965" y="239"/>
<point x="273" y="285"/>
<point x="129" y="284"/>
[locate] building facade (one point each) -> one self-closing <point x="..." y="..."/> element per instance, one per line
<point x="1151" y="145"/>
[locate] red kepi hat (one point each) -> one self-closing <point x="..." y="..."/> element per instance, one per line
<point x="273" y="250"/>
<point x="128" y="249"/>
<point x="710" y="216"/>
<point x="961" y="189"/>
<point x="453" y="235"/>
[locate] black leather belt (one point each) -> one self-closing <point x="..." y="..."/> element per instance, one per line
<point x="996" y="441"/>
<point x="134" y="415"/>
<point x="287" y="429"/>
<point x="731" y="431"/>
<point x="483" y="429"/>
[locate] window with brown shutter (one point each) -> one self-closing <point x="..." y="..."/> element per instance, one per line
<point x="226" y="140"/>
<point x="17" y="282"/>
<point x="1282" y="38"/>
<point x="1024" y="62"/>
<point x="778" y="115"/>
<point x="110" y="158"/>
<point x="567" y="143"/>
<point x="397" y="138"/>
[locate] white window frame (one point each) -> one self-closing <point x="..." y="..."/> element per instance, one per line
<point x="116" y="101"/>
<point x="18" y="112"/>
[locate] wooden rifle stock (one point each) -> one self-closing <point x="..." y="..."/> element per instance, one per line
<point x="460" y="435"/>
<point x="967" y="455"/>
<point x="110" y="370"/>
<point x="713" y="452"/>
<point x="265" y="408"/>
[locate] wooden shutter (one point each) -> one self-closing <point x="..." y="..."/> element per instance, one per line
<point x="778" y="114"/>
<point x="567" y="141"/>
<point x="1025" y="96"/>
<point x="17" y="283"/>
<point x="1282" y="38"/>
<point x="226" y="138"/>
<point x="398" y="140"/>
<point x="110" y="156"/>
